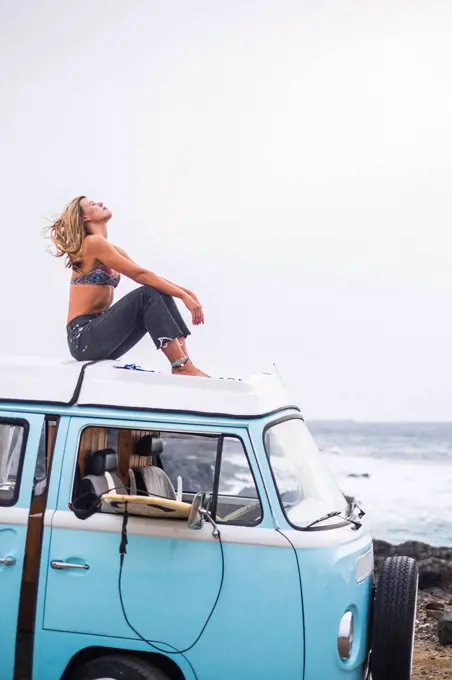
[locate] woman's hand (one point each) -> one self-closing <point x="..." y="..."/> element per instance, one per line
<point x="195" y="308"/>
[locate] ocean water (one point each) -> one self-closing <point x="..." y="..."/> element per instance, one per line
<point x="400" y="472"/>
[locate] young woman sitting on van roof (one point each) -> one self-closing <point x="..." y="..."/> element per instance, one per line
<point x="98" y="329"/>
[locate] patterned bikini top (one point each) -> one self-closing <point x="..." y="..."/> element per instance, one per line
<point x="101" y="275"/>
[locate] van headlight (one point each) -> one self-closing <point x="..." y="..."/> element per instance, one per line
<point x="345" y="636"/>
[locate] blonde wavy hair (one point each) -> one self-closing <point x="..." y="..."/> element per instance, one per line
<point x="68" y="232"/>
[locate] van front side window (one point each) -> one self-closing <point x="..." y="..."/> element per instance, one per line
<point x="11" y="444"/>
<point x="306" y="487"/>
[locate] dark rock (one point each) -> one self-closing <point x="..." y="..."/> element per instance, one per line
<point x="433" y="613"/>
<point x="416" y="549"/>
<point x="434" y="604"/>
<point x="426" y="624"/>
<point x="445" y="629"/>
<point x="434" y="564"/>
<point x="429" y="578"/>
<point x="365" y="475"/>
<point x="248" y="492"/>
<point x="441" y="568"/>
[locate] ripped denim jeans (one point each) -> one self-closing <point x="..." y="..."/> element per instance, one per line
<point x="109" y="335"/>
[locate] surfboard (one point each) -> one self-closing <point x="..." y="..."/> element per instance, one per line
<point x="148" y="506"/>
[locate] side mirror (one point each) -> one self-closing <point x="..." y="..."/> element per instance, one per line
<point x="90" y="505"/>
<point x="201" y="502"/>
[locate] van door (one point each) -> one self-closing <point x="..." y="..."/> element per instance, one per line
<point x="19" y="441"/>
<point x="162" y="555"/>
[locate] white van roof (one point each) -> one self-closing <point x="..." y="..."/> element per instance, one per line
<point x="108" y="383"/>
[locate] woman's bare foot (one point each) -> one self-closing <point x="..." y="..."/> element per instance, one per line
<point x="183" y="346"/>
<point x="189" y="369"/>
<point x="176" y="353"/>
<point x="204" y="375"/>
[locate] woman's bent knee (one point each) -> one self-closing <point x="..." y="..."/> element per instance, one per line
<point x="149" y="291"/>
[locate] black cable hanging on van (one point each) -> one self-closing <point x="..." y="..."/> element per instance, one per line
<point x="94" y="503"/>
<point x="155" y="643"/>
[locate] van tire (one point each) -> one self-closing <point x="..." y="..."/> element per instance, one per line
<point x="394" y="620"/>
<point x="119" y="667"/>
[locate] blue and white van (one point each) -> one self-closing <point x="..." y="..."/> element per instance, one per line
<point x="158" y="527"/>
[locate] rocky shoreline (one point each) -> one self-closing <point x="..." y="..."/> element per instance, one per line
<point x="433" y="644"/>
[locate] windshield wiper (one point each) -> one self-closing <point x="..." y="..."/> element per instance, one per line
<point x="336" y="513"/>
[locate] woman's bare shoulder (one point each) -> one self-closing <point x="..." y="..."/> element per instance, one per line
<point x="88" y="253"/>
<point x="93" y="242"/>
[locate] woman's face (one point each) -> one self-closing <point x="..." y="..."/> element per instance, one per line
<point x="94" y="212"/>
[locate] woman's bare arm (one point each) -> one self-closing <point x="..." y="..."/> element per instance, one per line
<point x="186" y="290"/>
<point x="122" y="252"/>
<point x="96" y="246"/>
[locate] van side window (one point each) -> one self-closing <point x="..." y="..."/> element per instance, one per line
<point x="238" y="499"/>
<point x="40" y="476"/>
<point x="45" y="452"/>
<point x="144" y="462"/>
<point x="174" y="465"/>
<point x="12" y="440"/>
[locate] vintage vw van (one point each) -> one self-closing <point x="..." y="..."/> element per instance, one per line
<point x="160" y="527"/>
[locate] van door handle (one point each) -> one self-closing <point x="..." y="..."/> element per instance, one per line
<point x="56" y="564"/>
<point x="8" y="561"/>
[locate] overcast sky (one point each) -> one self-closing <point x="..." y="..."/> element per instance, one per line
<point x="291" y="161"/>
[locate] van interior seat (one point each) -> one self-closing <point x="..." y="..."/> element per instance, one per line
<point x="151" y="478"/>
<point x="100" y="477"/>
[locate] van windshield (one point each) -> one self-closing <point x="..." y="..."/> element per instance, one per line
<point x="305" y="485"/>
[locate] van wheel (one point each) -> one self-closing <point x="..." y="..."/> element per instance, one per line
<point x="119" y="667"/>
<point x="394" y="620"/>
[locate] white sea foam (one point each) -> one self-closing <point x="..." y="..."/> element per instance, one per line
<point x="404" y="500"/>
